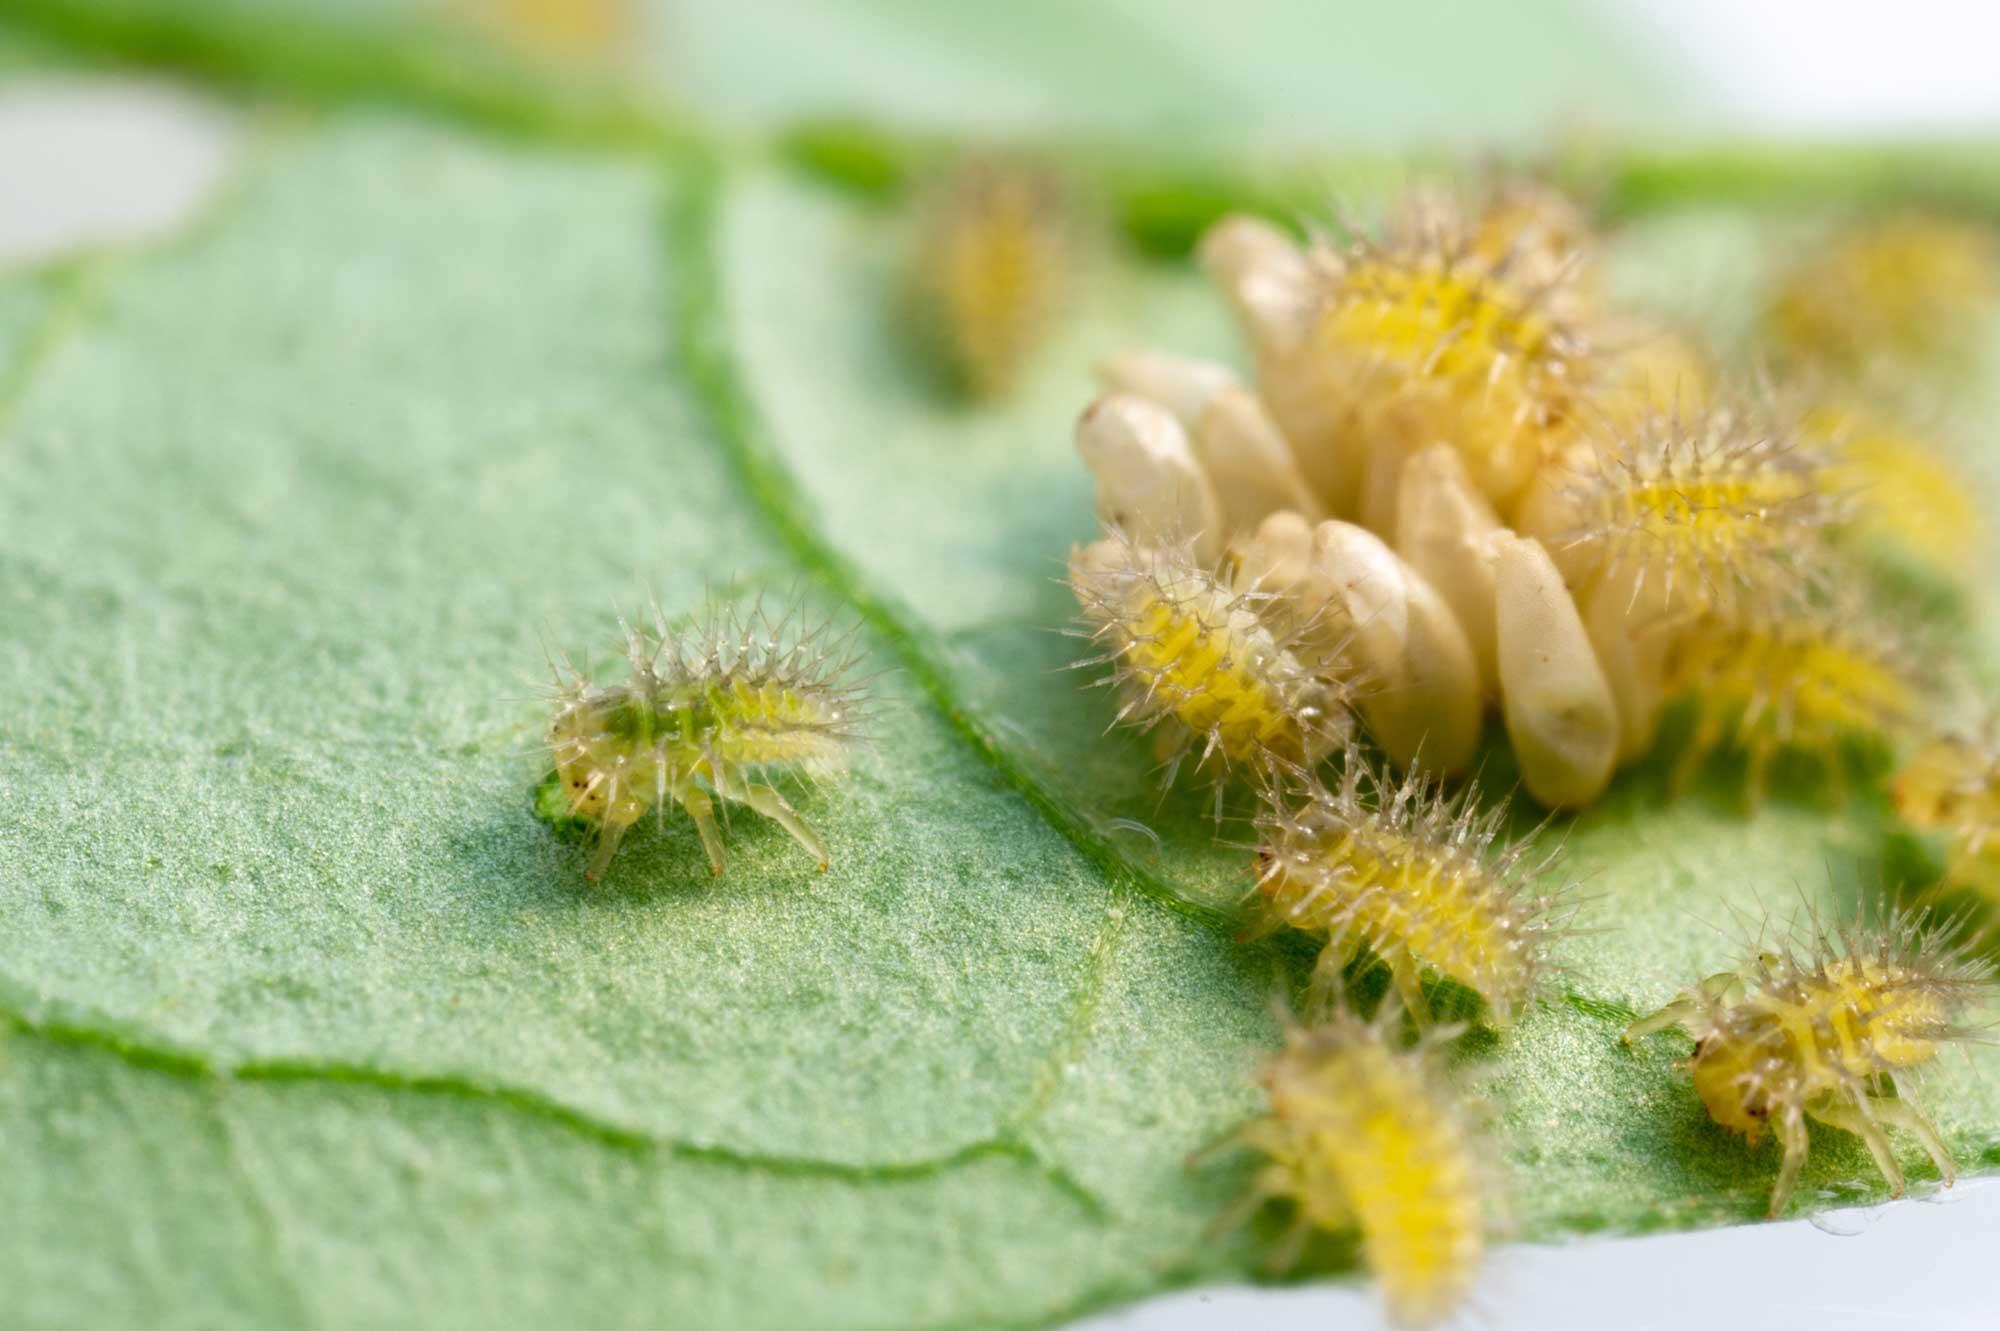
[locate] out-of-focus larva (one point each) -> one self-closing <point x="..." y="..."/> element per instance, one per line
<point x="1951" y="785"/>
<point x="993" y="253"/>
<point x="577" y="32"/>
<point x="1413" y="875"/>
<point x="1149" y="484"/>
<point x="1362" y="1133"/>
<point x="1196" y="662"/>
<point x="1902" y="293"/>
<point x="1421" y="700"/>
<point x="704" y="714"/>
<point x="1836" y="1027"/>
<point x="1539" y="234"/>
<point x="1901" y="493"/>
<point x="1788" y="676"/>
<point x="1561" y="714"/>
<point x="1706" y="503"/>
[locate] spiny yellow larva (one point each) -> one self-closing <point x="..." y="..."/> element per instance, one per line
<point x="1835" y="1026"/>
<point x="1780" y="675"/>
<point x="1703" y="504"/>
<point x="1901" y="292"/>
<point x="1415" y="876"/>
<point x="1197" y="663"/>
<point x="992" y="258"/>
<point x="705" y="714"/>
<point x="1363" y="1133"/>
<point x="1901" y="492"/>
<point x="1424" y="339"/>
<point x="1540" y="234"/>
<point x="577" y="32"/>
<point x="1951" y="785"/>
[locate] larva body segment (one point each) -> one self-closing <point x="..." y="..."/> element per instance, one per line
<point x="1951" y="785"/>
<point x="993" y="255"/>
<point x="1196" y="663"/>
<point x="704" y="714"/>
<point x="1416" y="877"/>
<point x="1361" y="1133"/>
<point x="1705" y="504"/>
<point x="1835" y="1029"/>
<point x="1784" y="676"/>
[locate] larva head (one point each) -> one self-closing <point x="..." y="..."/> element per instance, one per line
<point x="1365" y="1131"/>
<point x="1707" y="503"/>
<point x="1904" y="291"/>
<point x="1422" y="340"/>
<point x="992" y="259"/>
<point x="1197" y="658"/>
<point x="1419" y="877"/>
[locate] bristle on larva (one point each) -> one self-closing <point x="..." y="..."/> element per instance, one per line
<point x="1701" y="504"/>
<point x="1779" y="676"/>
<point x="992" y="258"/>
<point x="1195" y="661"/>
<point x="1834" y="1026"/>
<point x="1417" y="877"/>
<point x="1951" y="785"/>
<point x="705" y="713"/>
<point x="1364" y="1134"/>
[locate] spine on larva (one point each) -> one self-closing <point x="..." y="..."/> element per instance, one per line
<point x="1417" y="878"/>
<point x="1195" y="663"/>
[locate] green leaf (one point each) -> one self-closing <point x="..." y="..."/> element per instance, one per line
<point x="313" y="1020"/>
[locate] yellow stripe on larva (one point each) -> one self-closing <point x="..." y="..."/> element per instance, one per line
<point x="1951" y="784"/>
<point x="1361" y="1133"/>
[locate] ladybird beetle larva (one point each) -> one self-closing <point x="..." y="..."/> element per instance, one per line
<point x="1776" y="675"/>
<point x="1702" y="503"/>
<point x="1951" y="784"/>
<point x="704" y="714"/>
<point x="1367" y="352"/>
<point x="1415" y="876"/>
<point x="1364" y="1134"/>
<point x="1896" y="293"/>
<point x="1837" y="1029"/>
<point x="991" y="261"/>
<point x="1197" y="663"/>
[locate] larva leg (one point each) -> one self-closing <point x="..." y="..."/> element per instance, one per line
<point x="1410" y="988"/>
<point x="1324" y="987"/>
<point x="1902" y="1114"/>
<point x="1850" y="1118"/>
<point x="1706" y="736"/>
<point x="1722" y="987"/>
<point x="767" y="801"/>
<point x="1792" y="1136"/>
<point x="1290" y="1246"/>
<point x="608" y="837"/>
<point x="702" y="810"/>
